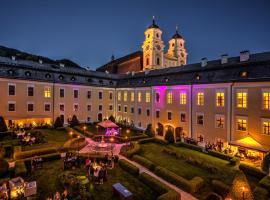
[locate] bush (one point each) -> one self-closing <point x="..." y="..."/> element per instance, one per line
<point x="253" y="171"/>
<point x="266" y="163"/>
<point x="74" y="121"/>
<point x="58" y="123"/>
<point x="136" y="147"/>
<point x="234" y="161"/>
<point x="169" y="136"/>
<point x="20" y="168"/>
<point x="144" y="162"/>
<point x="128" y="167"/>
<point x="3" y="126"/>
<point x="220" y="188"/>
<point x="265" y="183"/>
<point x="160" y="141"/>
<point x="149" y="130"/>
<point x="260" y="193"/>
<point x="220" y="155"/>
<point x="189" y="146"/>
<point x="36" y="152"/>
<point x="196" y="183"/>
<point x="3" y="167"/>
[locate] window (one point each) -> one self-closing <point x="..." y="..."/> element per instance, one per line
<point x="110" y="95"/>
<point x="119" y="96"/>
<point x="139" y="111"/>
<point x="200" y="120"/>
<point x="241" y="99"/>
<point x="139" y="96"/>
<point x="241" y="124"/>
<point x="30" y="91"/>
<point x="266" y="100"/>
<point x="125" y="96"/>
<point x="110" y="107"/>
<point x="30" y="107"/>
<point x="157" y="97"/>
<point x="11" y="106"/>
<point x="157" y="113"/>
<point x="183" y="98"/>
<point x="132" y="109"/>
<point x="100" y="95"/>
<point x="75" y="107"/>
<point x="169" y="115"/>
<point x="119" y="108"/>
<point x="169" y="97"/>
<point x="125" y="109"/>
<point x="100" y="107"/>
<point x="200" y="98"/>
<point x="148" y="112"/>
<point x="266" y="127"/>
<point x="62" y="107"/>
<point x="47" y="107"/>
<point x="62" y="92"/>
<point x="47" y="92"/>
<point x="220" y="121"/>
<point x="89" y="94"/>
<point x="220" y="99"/>
<point x="147" y="61"/>
<point x="182" y="117"/>
<point x="132" y="96"/>
<point x="89" y="107"/>
<point x="75" y="94"/>
<point x="11" y="89"/>
<point x="147" y="97"/>
<point x="158" y="62"/>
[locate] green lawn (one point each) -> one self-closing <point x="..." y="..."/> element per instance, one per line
<point x="48" y="184"/>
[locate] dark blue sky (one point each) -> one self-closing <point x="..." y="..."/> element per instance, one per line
<point x="89" y="32"/>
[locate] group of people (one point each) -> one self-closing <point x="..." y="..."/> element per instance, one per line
<point x="71" y="160"/>
<point x="25" y="138"/>
<point x="36" y="162"/>
<point x="212" y="146"/>
<point x="57" y="196"/>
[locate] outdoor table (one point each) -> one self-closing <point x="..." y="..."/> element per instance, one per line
<point x="120" y="190"/>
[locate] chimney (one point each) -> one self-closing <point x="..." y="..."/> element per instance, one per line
<point x="13" y="57"/>
<point x="204" y="62"/>
<point x="224" y="59"/>
<point x="244" y="56"/>
<point x="62" y="65"/>
<point x="40" y="61"/>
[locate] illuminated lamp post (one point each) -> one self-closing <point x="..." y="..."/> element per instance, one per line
<point x="112" y="140"/>
<point x="243" y="190"/>
<point x="84" y="128"/>
<point x="78" y="143"/>
<point x="71" y="133"/>
<point x="97" y="129"/>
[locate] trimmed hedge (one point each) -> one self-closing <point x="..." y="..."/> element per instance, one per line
<point x="260" y="193"/>
<point x="253" y="171"/>
<point x="189" y="146"/>
<point x="220" y="155"/>
<point x="144" y="162"/>
<point x="73" y="143"/>
<point x="170" y="195"/>
<point x="146" y="140"/>
<point x="235" y="161"/>
<point x="136" y="147"/>
<point x="265" y="183"/>
<point x="3" y="167"/>
<point x="191" y="186"/>
<point x="129" y="167"/>
<point x="160" y="141"/>
<point x="220" y="188"/>
<point x="36" y="152"/>
<point x="20" y="168"/>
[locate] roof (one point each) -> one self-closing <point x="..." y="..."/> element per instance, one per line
<point x="153" y="25"/>
<point x="177" y="35"/>
<point x="250" y="143"/>
<point x="107" y="124"/>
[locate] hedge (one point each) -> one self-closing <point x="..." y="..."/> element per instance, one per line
<point x="129" y="167"/>
<point x="20" y="168"/>
<point x="220" y="155"/>
<point x="146" y="140"/>
<point x="191" y="186"/>
<point x="234" y="161"/>
<point x="260" y="193"/>
<point x="253" y="171"/>
<point x="189" y="146"/>
<point x="220" y="188"/>
<point x="160" y="141"/>
<point x="265" y="183"/>
<point x="144" y="162"/>
<point x="3" y="167"/>
<point x="160" y="188"/>
<point x="36" y="152"/>
<point x="74" y="143"/>
<point x="136" y="147"/>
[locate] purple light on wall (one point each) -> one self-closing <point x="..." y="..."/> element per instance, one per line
<point x="162" y="95"/>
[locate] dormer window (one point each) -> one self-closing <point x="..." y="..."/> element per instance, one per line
<point x="111" y="83"/>
<point x="101" y="82"/>
<point x="166" y="79"/>
<point x="48" y="76"/>
<point x="89" y="80"/>
<point x="10" y="72"/>
<point x="198" y="77"/>
<point x="27" y="73"/>
<point x="144" y="81"/>
<point x="61" y="77"/>
<point x="243" y="74"/>
<point x="73" y="78"/>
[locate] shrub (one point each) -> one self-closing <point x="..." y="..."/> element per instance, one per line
<point x="74" y="121"/>
<point x="112" y="118"/>
<point x="136" y="147"/>
<point x="234" y="161"/>
<point x="169" y="136"/>
<point x="220" y="155"/>
<point x="74" y="143"/>
<point x="266" y="162"/>
<point x="265" y="183"/>
<point x="137" y="137"/>
<point x="253" y="171"/>
<point x="144" y="162"/>
<point x="160" y="141"/>
<point x="58" y="123"/>
<point x="146" y="140"/>
<point x="220" y="188"/>
<point x="3" y="126"/>
<point x="3" y="167"/>
<point x="36" y="152"/>
<point x="20" y="168"/>
<point x="129" y="167"/>
<point x="260" y="193"/>
<point x="196" y="183"/>
<point x="189" y="146"/>
<point x="149" y="130"/>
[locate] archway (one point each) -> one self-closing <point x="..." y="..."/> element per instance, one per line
<point x="160" y="129"/>
<point x="179" y="133"/>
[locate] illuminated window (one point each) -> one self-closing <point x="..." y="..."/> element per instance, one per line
<point x="183" y="98"/>
<point x="139" y="96"/>
<point x="266" y="100"/>
<point x="241" y="99"/>
<point x="200" y="98"/>
<point x="132" y="96"/>
<point x="220" y="99"/>
<point x="125" y="96"/>
<point x="119" y="96"/>
<point x="220" y="121"/>
<point x="47" y="92"/>
<point x="266" y="127"/>
<point x="169" y="97"/>
<point x="241" y="124"/>
<point x="147" y="97"/>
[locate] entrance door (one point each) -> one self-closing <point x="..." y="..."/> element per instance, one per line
<point x="99" y="117"/>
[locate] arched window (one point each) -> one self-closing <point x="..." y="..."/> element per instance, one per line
<point x="157" y="35"/>
<point x="158" y="61"/>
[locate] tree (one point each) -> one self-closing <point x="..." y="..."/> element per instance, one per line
<point x="112" y="118"/>
<point x="149" y="130"/>
<point x="266" y="163"/>
<point x="3" y="167"/>
<point x="169" y="135"/>
<point x="58" y="123"/>
<point x="3" y="126"/>
<point x="74" y="121"/>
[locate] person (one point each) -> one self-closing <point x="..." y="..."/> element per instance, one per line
<point x="57" y="196"/>
<point x="65" y="195"/>
<point x="87" y="163"/>
<point x="96" y="172"/>
<point x="91" y="172"/>
<point x="100" y="176"/>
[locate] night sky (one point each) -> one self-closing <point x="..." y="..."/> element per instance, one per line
<point x="89" y="32"/>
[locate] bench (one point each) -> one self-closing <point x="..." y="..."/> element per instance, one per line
<point x="120" y="191"/>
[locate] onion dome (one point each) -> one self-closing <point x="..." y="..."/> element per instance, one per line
<point x="153" y="25"/>
<point x="177" y="35"/>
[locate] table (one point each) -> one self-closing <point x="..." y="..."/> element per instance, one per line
<point x="120" y="190"/>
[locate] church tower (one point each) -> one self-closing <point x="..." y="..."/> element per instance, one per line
<point x="177" y="48"/>
<point x="153" y="47"/>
